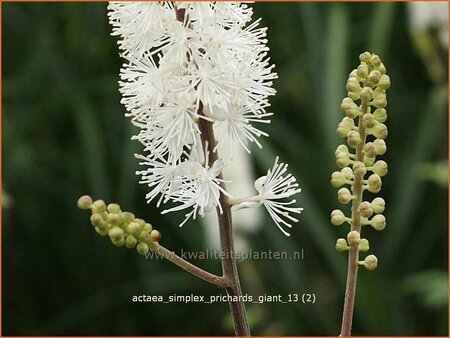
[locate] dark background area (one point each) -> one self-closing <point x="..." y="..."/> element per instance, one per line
<point x="64" y="135"/>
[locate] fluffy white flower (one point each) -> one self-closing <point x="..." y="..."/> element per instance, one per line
<point x="272" y="189"/>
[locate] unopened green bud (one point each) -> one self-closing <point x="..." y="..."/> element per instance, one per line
<point x="113" y="208"/>
<point x="369" y="161"/>
<point x="337" y="217"/>
<point x="143" y="235"/>
<point x="337" y="179"/>
<point x="369" y="150"/>
<point x="362" y="70"/>
<point x="380" y="146"/>
<point x="342" y="160"/>
<point x="380" y="131"/>
<point x="375" y="60"/>
<point x="359" y="168"/>
<point x="374" y="77"/>
<point x="119" y="242"/>
<point x="98" y="206"/>
<point x="379" y="98"/>
<point x="142" y="249"/>
<point x="133" y="228"/>
<point x="96" y="220"/>
<point x="353" y="85"/>
<point x="370" y="262"/>
<point x="378" y="222"/>
<point x="128" y="217"/>
<point x="155" y="235"/>
<point x="368" y="121"/>
<point x="101" y="232"/>
<point x="148" y="227"/>
<point x="115" y="233"/>
<point x="353" y="238"/>
<point x="385" y="82"/>
<point x="381" y="68"/>
<point x="380" y="114"/>
<point x="365" y="57"/>
<point x="366" y="94"/>
<point x="130" y="242"/>
<point x="353" y="139"/>
<point x="344" y="196"/>
<point x="378" y="205"/>
<point x="348" y="173"/>
<point x="374" y="183"/>
<point x="350" y="108"/>
<point x="113" y="219"/>
<point x="341" y="149"/>
<point x="365" y="209"/>
<point x="341" y="245"/>
<point x="364" y="245"/>
<point x="380" y="167"/>
<point x="84" y="202"/>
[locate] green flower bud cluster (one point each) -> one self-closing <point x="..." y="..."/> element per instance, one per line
<point x="364" y="129"/>
<point x="122" y="227"/>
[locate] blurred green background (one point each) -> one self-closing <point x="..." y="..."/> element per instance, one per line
<point x="64" y="135"/>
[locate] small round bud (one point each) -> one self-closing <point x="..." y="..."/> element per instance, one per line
<point x="101" y="232"/>
<point x="344" y="196"/>
<point x="366" y="94"/>
<point x="115" y="233"/>
<point x="155" y="235"/>
<point x="348" y="173"/>
<point x="353" y="139"/>
<point x="352" y="74"/>
<point x="385" y="82"/>
<point x="378" y="205"/>
<point x="368" y="121"/>
<point x="380" y="131"/>
<point x="369" y="150"/>
<point x="341" y="245"/>
<point x="359" y="168"/>
<point x="143" y="235"/>
<point x="364" y="245"/>
<point x="369" y="161"/>
<point x="380" y="146"/>
<point x="379" y="98"/>
<point x="342" y="130"/>
<point x="130" y="242"/>
<point x="365" y="57"/>
<point x="113" y="219"/>
<point x="337" y="217"/>
<point x="381" y="68"/>
<point x="354" y="95"/>
<point x="96" y="220"/>
<point x="84" y="202"/>
<point x="370" y="262"/>
<point x="113" y="208"/>
<point x="98" y="206"/>
<point x="127" y="217"/>
<point x="341" y="149"/>
<point x="133" y="228"/>
<point x="350" y="108"/>
<point x="378" y="222"/>
<point x="353" y="85"/>
<point x="380" y="167"/>
<point x="353" y="238"/>
<point x="365" y="209"/>
<point x="375" y="60"/>
<point x="380" y="115"/>
<point x="342" y="160"/>
<point x="148" y="227"/>
<point x="120" y="242"/>
<point x="142" y="249"/>
<point x="374" y="183"/>
<point x="374" y="77"/>
<point x="362" y="70"/>
<point x="337" y="179"/>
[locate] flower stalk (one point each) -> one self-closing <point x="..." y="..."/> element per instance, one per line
<point x="366" y="84"/>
